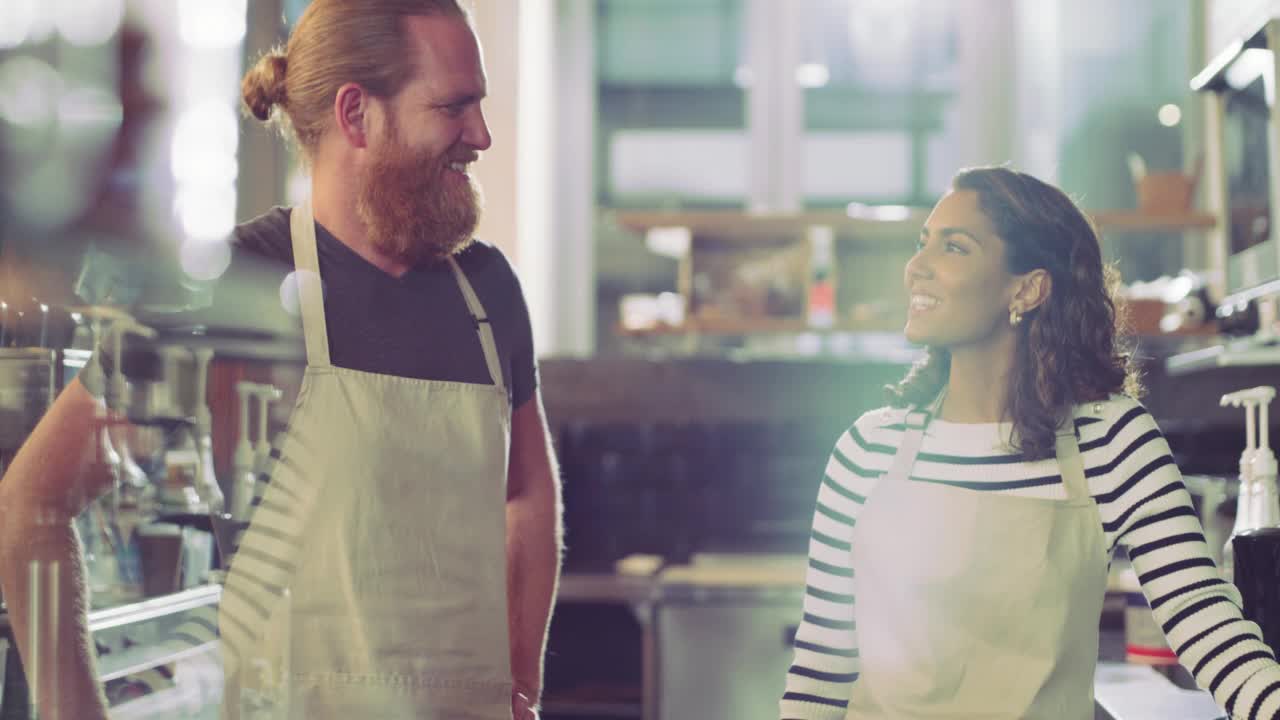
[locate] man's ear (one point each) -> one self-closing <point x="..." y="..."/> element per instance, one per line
<point x="1032" y="291"/>
<point x="351" y="107"/>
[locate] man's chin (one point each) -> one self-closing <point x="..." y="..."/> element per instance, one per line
<point x="436" y="250"/>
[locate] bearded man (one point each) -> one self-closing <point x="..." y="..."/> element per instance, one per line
<point x="409" y="537"/>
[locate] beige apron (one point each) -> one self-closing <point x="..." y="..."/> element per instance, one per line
<point x="975" y="605"/>
<point x="371" y="582"/>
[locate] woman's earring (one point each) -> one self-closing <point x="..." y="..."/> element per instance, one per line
<point x="1015" y="317"/>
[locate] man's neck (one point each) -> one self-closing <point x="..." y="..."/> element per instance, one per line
<point x="333" y="200"/>
<point x="977" y="390"/>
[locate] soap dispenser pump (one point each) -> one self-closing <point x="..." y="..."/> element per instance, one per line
<point x="206" y="480"/>
<point x="243" y="460"/>
<point x="1257" y="505"/>
<point x="1266" y="499"/>
<point x="1257" y="550"/>
<point x="267" y="394"/>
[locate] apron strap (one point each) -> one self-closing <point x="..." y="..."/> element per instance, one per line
<point x="916" y="421"/>
<point x="302" y="230"/>
<point x="1070" y="462"/>
<point x="912" y="439"/>
<point x="935" y="407"/>
<point x="483" y="326"/>
<point x="900" y="470"/>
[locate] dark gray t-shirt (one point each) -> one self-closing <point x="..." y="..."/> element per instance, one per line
<point x="417" y="325"/>
<point x="414" y="326"/>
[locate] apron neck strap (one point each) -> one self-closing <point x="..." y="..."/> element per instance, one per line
<point x="916" y="421"/>
<point x="1070" y="463"/>
<point x="935" y="407"/>
<point x="920" y="417"/>
<point x="302" y="231"/>
<point x="483" y="326"/>
<point x="905" y="458"/>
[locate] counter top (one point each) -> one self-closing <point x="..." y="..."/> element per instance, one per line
<point x="781" y="572"/>
<point x="605" y="587"/>
<point x="135" y="638"/>
<point x="143" y="610"/>
<point x="1124" y="691"/>
<point x="771" y="574"/>
<point x="152" y="608"/>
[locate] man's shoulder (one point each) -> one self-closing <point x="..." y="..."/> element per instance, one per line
<point x="265" y="237"/>
<point x="486" y="263"/>
<point x="479" y="254"/>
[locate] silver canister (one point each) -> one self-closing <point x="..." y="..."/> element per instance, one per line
<point x="26" y="392"/>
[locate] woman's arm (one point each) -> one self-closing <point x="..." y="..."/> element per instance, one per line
<point x="1198" y="611"/>
<point x="49" y="483"/>
<point x="826" y="646"/>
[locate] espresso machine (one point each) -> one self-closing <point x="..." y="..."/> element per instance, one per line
<point x="146" y="572"/>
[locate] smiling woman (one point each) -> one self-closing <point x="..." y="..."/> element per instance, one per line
<point x="960" y="257"/>
<point x="974" y="519"/>
<point x="1009" y="280"/>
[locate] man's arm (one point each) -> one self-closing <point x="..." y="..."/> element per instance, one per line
<point x="50" y="481"/>
<point x="534" y="542"/>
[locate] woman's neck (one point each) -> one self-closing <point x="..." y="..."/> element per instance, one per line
<point x="977" y="388"/>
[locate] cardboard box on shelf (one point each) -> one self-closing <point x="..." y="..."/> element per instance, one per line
<point x="1165" y="193"/>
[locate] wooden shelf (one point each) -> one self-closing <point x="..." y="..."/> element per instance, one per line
<point x="604" y="587"/>
<point x="1135" y="220"/>
<point x="752" y="326"/>
<point x="738" y="226"/>
<point x="736" y="229"/>
<point x="1233" y="354"/>
<point x="575" y="708"/>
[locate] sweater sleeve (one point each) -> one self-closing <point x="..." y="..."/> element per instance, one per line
<point x="1198" y="611"/>
<point x="826" y="646"/>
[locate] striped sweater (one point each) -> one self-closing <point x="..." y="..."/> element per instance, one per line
<point x="1143" y="503"/>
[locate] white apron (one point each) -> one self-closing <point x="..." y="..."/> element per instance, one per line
<point x="975" y="605"/>
<point x="371" y="582"/>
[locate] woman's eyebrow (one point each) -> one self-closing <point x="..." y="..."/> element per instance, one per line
<point x="948" y="231"/>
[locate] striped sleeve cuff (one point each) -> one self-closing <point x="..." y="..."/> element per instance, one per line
<point x="798" y="706"/>
<point x="1258" y="698"/>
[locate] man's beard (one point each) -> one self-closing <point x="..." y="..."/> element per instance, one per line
<point x="412" y="211"/>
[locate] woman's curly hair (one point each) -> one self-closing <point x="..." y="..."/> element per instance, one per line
<point x="1068" y="350"/>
